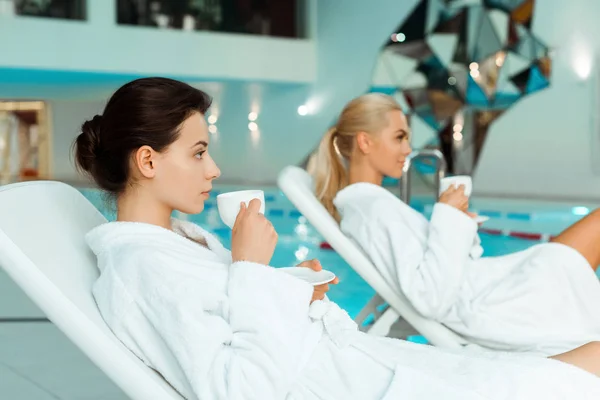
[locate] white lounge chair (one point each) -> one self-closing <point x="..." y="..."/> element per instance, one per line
<point x="42" y="248"/>
<point x="297" y="185"/>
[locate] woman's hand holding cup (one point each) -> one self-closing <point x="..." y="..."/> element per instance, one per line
<point x="455" y="197"/>
<point x="253" y="237"/>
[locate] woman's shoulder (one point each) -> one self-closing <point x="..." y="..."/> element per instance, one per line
<point x="365" y="193"/>
<point x="138" y="254"/>
<point x="366" y="200"/>
<point x="125" y="237"/>
<point x="158" y="276"/>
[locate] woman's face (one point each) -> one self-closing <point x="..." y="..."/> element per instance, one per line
<point x="388" y="149"/>
<point x="185" y="171"/>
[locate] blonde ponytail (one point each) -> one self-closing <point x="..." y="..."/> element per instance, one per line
<point x="329" y="172"/>
<point x="367" y="113"/>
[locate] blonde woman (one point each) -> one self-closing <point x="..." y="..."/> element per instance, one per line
<point x="544" y="300"/>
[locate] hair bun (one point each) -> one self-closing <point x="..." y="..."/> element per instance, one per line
<point x="88" y="143"/>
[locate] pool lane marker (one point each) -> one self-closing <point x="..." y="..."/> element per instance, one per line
<point x="536" y="237"/>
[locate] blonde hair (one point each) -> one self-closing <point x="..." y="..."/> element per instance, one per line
<point x="367" y="113"/>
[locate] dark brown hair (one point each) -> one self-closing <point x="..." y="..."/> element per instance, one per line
<point x="144" y="112"/>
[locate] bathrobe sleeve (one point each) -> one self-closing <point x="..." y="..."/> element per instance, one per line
<point x="429" y="274"/>
<point x="249" y="351"/>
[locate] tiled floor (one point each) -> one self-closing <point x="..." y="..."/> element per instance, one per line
<point x="37" y="362"/>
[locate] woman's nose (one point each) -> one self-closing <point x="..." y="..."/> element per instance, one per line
<point x="217" y="173"/>
<point x="213" y="172"/>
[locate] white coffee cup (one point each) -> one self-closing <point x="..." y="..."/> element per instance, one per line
<point x="457" y="181"/>
<point x="229" y="204"/>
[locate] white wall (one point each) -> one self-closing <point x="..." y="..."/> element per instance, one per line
<point x="542" y="147"/>
<point x="348" y="39"/>
<point x="546" y="145"/>
<point x="67" y="118"/>
<point x="102" y="46"/>
<point x="349" y="35"/>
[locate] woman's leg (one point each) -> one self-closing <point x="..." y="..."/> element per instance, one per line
<point x="584" y="236"/>
<point x="586" y="357"/>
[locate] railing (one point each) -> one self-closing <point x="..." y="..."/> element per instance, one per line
<point x="440" y="171"/>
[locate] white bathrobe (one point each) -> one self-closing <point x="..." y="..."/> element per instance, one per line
<point x="544" y="300"/>
<point x="221" y="330"/>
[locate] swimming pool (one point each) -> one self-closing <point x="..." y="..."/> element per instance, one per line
<point x="513" y="226"/>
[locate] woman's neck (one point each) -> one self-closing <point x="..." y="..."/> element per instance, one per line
<point x="138" y="207"/>
<point x="364" y="173"/>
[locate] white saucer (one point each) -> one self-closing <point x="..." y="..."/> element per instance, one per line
<point x="481" y="219"/>
<point x="306" y="274"/>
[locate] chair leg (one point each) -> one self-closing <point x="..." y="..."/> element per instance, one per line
<point x="376" y="317"/>
<point x="371" y="309"/>
<point x="384" y="323"/>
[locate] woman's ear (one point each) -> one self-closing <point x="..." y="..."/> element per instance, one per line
<point x="364" y="142"/>
<point x="144" y="161"/>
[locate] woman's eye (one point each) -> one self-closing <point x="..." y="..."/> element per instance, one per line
<point x="200" y="154"/>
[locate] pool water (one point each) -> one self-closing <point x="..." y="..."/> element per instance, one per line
<point x="299" y="241"/>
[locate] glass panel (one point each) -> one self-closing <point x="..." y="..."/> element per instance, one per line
<point x="418" y="49"/>
<point x="62" y="9"/>
<point x="507" y="5"/>
<point x="458" y="79"/>
<point x="488" y="41"/>
<point x="444" y="46"/>
<point x="523" y="13"/>
<point x="258" y="17"/>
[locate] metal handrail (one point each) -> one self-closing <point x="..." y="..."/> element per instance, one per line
<point x="440" y="171"/>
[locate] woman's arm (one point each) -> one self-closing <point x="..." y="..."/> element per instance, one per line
<point x="430" y="276"/>
<point x="253" y="349"/>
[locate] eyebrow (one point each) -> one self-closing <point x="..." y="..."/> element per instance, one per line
<point x="200" y="142"/>
<point x="404" y="131"/>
